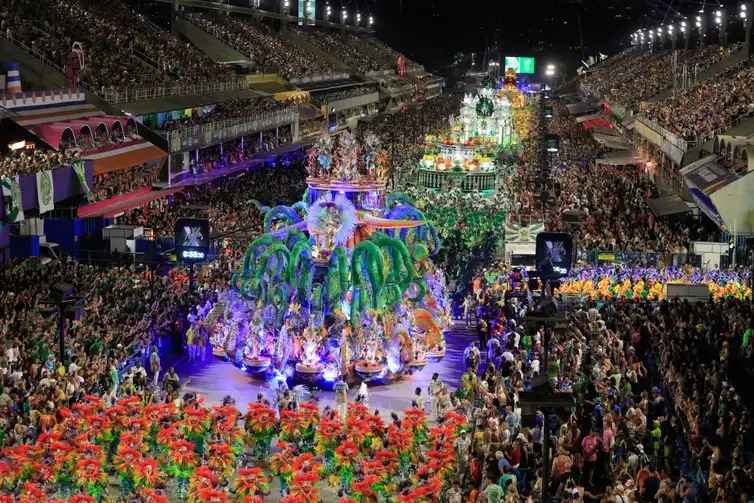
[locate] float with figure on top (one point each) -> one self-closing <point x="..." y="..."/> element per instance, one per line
<point x="342" y="282"/>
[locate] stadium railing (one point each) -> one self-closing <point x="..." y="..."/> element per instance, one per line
<point x="129" y="96"/>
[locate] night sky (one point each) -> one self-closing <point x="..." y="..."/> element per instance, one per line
<point x="431" y="31"/>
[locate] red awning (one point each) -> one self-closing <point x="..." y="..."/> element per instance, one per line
<point x="124" y="156"/>
<point x="117" y="205"/>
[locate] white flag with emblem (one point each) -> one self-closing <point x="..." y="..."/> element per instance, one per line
<point x="45" y="191"/>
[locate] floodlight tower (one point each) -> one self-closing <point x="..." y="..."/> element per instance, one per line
<point x="747" y="15"/>
<point x="701" y="25"/>
<point x="672" y="35"/>
<point x="661" y="37"/>
<point x="686" y="35"/>
<point x="721" y="21"/>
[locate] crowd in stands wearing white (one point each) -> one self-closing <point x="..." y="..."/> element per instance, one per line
<point x="27" y="162"/>
<point x="124" y="50"/>
<point x="269" y="51"/>
<point x="233" y="109"/>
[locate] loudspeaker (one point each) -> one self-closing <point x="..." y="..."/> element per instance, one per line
<point x="61" y="291"/>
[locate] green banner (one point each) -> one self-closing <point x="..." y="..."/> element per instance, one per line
<point x="78" y="167"/>
<point x="14" y="210"/>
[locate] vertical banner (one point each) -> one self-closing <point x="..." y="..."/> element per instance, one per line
<point x="45" y="191"/>
<point x="301" y="12"/>
<point x="311" y="12"/>
<point x="14" y="210"/>
<point x="78" y="167"/>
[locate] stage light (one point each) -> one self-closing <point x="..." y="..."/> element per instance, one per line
<point x="659" y="31"/>
<point x="550" y="66"/>
<point x="371" y="20"/>
<point x="743" y="14"/>
<point x="344" y="14"/>
<point x="670" y="30"/>
<point x="718" y="14"/>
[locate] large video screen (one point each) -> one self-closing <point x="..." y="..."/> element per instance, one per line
<point x="192" y="236"/>
<point x="520" y="64"/>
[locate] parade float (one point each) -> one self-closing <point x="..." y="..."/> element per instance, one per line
<point x="466" y="155"/>
<point x="342" y="282"/>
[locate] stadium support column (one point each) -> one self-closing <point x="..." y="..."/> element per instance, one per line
<point x="701" y="24"/>
<point x="295" y="131"/>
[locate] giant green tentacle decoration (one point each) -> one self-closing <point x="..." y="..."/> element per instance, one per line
<point x="280" y="263"/>
<point x="300" y="271"/>
<point x="402" y="271"/>
<point x="254" y="251"/>
<point x="278" y="297"/>
<point x="395" y="198"/>
<point x="295" y="236"/>
<point x="261" y="207"/>
<point x="301" y="206"/>
<point x="337" y="278"/>
<point x="252" y="289"/>
<point x="316" y="306"/>
<point x="368" y="275"/>
<point x="280" y="213"/>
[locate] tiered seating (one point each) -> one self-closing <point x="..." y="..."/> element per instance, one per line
<point x="714" y="105"/>
<point x="642" y="74"/>
<point x="232" y="109"/>
<point x="344" y="49"/>
<point x="383" y="51"/>
<point x="339" y="94"/>
<point x="270" y="52"/>
<point x="123" y="50"/>
<point x="26" y="162"/>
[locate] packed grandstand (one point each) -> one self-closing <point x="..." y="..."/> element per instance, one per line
<point x="367" y="315"/>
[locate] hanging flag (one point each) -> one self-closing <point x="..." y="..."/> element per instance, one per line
<point x="45" y="191"/>
<point x="78" y="167"/>
<point x="523" y="233"/>
<point x="14" y="210"/>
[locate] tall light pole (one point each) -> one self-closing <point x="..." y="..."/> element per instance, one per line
<point x="747" y="14"/>
<point x="661" y="37"/>
<point x="671" y="33"/>
<point x="721" y="21"/>
<point x="686" y="33"/>
<point x="701" y="25"/>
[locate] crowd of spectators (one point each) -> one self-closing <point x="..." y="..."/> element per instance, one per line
<point x="30" y="161"/>
<point x="341" y="47"/>
<point x="382" y="51"/>
<point x="232" y="109"/>
<point x="117" y="183"/>
<point x="645" y="74"/>
<point x="126" y="310"/>
<point x="613" y="199"/>
<point x="662" y="411"/>
<point x="339" y="94"/>
<point x="123" y="49"/>
<point x="403" y="133"/>
<point x="225" y="202"/>
<point x="269" y="51"/>
<point x="392" y="82"/>
<point x="714" y="105"/>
